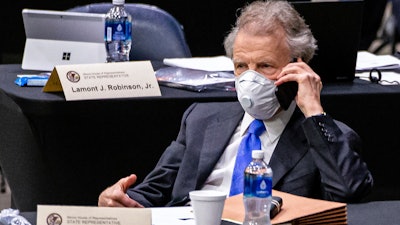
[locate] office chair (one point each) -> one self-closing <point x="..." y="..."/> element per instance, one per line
<point x="156" y="34"/>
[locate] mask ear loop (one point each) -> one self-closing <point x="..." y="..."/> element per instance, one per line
<point x="375" y="75"/>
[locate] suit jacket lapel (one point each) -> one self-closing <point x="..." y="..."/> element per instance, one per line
<point x="290" y="148"/>
<point x="217" y="136"/>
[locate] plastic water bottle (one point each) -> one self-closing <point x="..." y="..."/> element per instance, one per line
<point x="118" y="32"/>
<point x="257" y="191"/>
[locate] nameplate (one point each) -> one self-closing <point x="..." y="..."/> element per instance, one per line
<point x="91" y="215"/>
<point x="104" y="80"/>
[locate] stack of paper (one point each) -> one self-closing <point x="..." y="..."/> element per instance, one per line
<point x="211" y="64"/>
<point x="198" y="73"/>
<point x="367" y="61"/>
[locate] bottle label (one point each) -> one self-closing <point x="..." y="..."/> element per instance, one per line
<point x="120" y="30"/>
<point x="257" y="185"/>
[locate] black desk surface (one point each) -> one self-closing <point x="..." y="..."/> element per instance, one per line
<point x="9" y="72"/>
<point x="33" y="100"/>
<point x="93" y="143"/>
<point x="372" y="213"/>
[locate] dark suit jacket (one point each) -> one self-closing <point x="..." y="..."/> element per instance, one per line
<point x="315" y="157"/>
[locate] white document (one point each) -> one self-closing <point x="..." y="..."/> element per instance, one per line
<point x="172" y="216"/>
<point x="89" y="215"/>
<point x="212" y="64"/>
<point x="92" y="215"/>
<point x="367" y="61"/>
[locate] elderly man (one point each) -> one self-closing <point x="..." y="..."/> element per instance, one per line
<point x="310" y="153"/>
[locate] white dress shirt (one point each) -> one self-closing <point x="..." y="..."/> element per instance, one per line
<point x="220" y="178"/>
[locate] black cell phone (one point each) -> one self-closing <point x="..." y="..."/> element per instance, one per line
<point x="286" y="93"/>
<point x="276" y="206"/>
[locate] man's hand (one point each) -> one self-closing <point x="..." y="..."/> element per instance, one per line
<point x="115" y="196"/>
<point x="310" y="86"/>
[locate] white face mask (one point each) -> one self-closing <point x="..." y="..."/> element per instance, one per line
<point x="256" y="94"/>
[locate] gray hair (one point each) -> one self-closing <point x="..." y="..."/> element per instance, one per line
<point x="264" y="17"/>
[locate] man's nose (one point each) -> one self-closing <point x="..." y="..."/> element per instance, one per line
<point x="252" y="67"/>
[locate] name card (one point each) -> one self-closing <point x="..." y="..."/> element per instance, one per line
<point x="91" y="215"/>
<point x="104" y="80"/>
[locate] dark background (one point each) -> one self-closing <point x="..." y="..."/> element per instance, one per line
<point x="205" y="22"/>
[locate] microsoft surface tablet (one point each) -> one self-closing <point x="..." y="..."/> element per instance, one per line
<point x="61" y="37"/>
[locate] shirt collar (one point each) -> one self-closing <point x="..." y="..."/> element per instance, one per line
<point x="274" y="125"/>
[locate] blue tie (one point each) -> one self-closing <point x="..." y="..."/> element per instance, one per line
<point x="251" y="141"/>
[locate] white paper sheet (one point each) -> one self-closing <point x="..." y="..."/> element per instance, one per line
<point x="213" y="64"/>
<point x="366" y="61"/>
<point x="172" y="216"/>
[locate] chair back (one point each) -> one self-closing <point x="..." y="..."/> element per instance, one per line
<point x="156" y="34"/>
